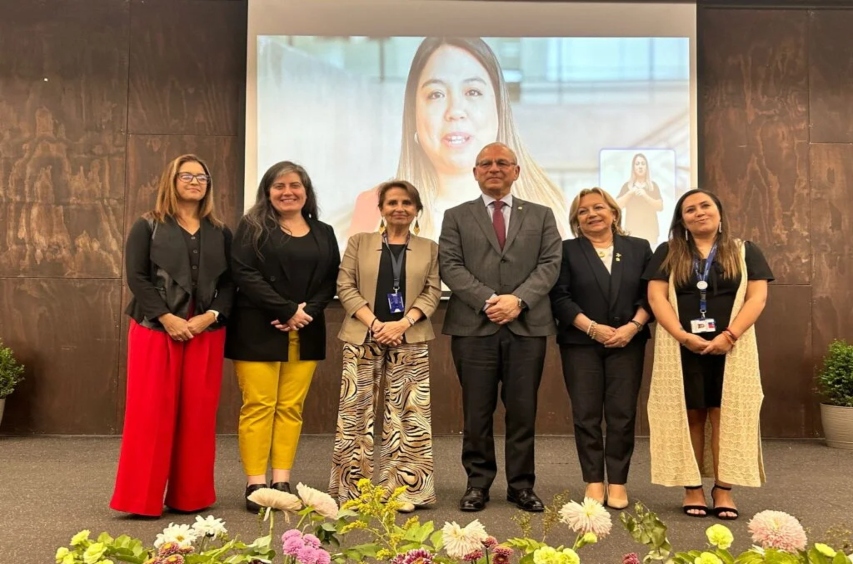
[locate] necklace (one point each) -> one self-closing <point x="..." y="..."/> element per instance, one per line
<point x="604" y="253"/>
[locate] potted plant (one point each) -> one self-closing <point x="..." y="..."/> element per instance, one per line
<point x="835" y="384"/>
<point x="11" y="373"/>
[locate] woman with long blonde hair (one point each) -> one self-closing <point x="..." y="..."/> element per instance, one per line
<point x="177" y="258"/>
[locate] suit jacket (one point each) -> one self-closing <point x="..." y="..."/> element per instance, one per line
<point x="357" y="279"/>
<point x="159" y="277"/>
<point x="263" y="296"/>
<point x="585" y="286"/>
<point x="474" y="267"/>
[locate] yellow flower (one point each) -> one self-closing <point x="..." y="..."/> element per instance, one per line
<point x="80" y="537"/>
<point x="589" y="538"/>
<point x="64" y="556"/>
<point x="569" y="556"/>
<point x="545" y="555"/>
<point x="824" y="549"/>
<point x="384" y="555"/>
<point x="707" y="558"/>
<point x="719" y="536"/>
<point x="94" y="553"/>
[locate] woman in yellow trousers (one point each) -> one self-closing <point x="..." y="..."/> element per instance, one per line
<point x="285" y="264"/>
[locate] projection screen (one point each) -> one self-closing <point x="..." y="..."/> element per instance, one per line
<point x="360" y="92"/>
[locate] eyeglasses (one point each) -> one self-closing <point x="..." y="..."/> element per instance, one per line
<point x="187" y="177"/>
<point x="485" y="165"/>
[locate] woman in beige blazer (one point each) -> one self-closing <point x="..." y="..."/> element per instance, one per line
<point x="389" y="285"/>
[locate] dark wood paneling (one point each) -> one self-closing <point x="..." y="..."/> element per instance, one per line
<point x="831" y="76"/>
<point x="147" y="156"/>
<point x="63" y="108"/>
<point x="832" y="231"/>
<point x="785" y="349"/>
<point x="187" y="66"/>
<point x="65" y="332"/>
<point x="754" y="85"/>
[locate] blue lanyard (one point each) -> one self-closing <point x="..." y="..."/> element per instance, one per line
<point x="702" y="284"/>
<point x="396" y="261"/>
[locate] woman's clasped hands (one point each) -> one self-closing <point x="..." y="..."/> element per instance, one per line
<point x="299" y="320"/>
<point x="390" y="333"/>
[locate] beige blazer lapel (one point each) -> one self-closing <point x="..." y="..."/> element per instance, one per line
<point x="417" y="269"/>
<point x="369" y="255"/>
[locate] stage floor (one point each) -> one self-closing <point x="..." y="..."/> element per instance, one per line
<point x="52" y="487"/>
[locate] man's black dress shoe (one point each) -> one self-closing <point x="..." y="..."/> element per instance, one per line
<point x="474" y="499"/>
<point x="251" y="506"/>
<point x="281" y="486"/>
<point x="525" y="499"/>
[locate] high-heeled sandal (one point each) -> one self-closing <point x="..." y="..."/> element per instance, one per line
<point x="718" y="510"/>
<point x="688" y="508"/>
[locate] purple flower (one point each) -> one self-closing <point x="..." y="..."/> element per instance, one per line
<point x="291" y="533"/>
<point x="323" y="557"/>
<point x="307" y="555"/>
<point x="311" y="540"/>
<point x="473" y="556"/>
<point x="502" y="550"/>
<point x="292" y="546"/>
<point x="631" y="558"/>
<point x="490" y="542"/>
<point x="416" y="556"/>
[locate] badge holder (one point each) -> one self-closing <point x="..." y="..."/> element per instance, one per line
<point x="703" y="324"/>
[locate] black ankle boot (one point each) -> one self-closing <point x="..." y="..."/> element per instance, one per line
<point x="281" y="486"/>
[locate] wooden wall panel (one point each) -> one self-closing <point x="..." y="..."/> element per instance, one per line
<point x="187" y="66"/>
<point x="785" y="350"/>
<point x="63" y="109"/>
<point x="65" y="332"/>
<point x="754" y="85"/>
<point x="831" y="76"/>
<point x="832" y="226"/>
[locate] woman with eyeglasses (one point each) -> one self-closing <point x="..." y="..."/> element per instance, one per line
<point x="177" y="259"/>
<point x="285" y="266"/>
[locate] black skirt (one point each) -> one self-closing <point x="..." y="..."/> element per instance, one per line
<point x="703" y="379"/>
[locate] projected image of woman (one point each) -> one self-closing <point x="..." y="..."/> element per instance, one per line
<point x="641" y="200"/>
<point x="456" y="102"/>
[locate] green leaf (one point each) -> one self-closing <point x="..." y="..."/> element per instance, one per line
<point x="437" y="540"/>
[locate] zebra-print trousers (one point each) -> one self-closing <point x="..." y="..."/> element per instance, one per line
<point x="405" y="457"/>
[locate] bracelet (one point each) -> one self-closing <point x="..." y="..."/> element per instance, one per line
<point x="375" y="319"/>
<point x="410" y="320"/>
<point x="730" y="336"/>
<point x="590" y="331"/>
<point x="637" y="324"/>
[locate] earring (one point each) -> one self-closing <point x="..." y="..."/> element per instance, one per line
<point x="720" y="228"/>
<point x="382" y="226"/>
<point x="417" y="228"/>
<point x="686" y="235"/>
<point x="417" y="141"/>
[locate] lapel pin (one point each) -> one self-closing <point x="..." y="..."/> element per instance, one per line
<point x="519" y="207"/>
<point x="618" y="257"/>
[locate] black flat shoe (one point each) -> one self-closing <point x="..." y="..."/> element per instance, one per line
<point x="251" y="506"/>
<point x="688" y="508"/>
<point x="474" y="499"/>
<point x="281" y="486"/>
<point x="718" y="510"/>
<point x="526" y="499"/>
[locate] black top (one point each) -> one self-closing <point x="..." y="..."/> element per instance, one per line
<point x="289" y="270"/>
<point x="298" y="256"/>
<point x="385" y="283"/>
<point x="721" y="291"/>
<point x="160" y="273"/>
<point x="585" y="286"/>
<point x="193" y="245"/>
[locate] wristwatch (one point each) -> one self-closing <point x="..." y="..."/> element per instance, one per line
<point x="215" y="314"/>
<point x="520" y="303"/>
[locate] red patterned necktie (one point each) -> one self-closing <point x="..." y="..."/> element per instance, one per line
<point x="498" y="222"/>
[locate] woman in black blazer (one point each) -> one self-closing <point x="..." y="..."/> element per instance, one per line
<point x="177" y="270"/>
<point x="285" y="265"/>
<point x="601" y="312"/>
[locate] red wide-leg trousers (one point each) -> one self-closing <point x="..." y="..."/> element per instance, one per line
<point x="170" y="422"/>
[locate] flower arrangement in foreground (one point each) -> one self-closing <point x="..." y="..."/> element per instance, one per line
<point x="372" y="519"/>
<point x="779" y="539"/>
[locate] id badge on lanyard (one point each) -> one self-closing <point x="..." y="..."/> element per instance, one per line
<point x="703" y="324"/>
<point x="395" y="298"/>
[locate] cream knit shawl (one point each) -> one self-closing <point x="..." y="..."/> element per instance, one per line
<point x="672" y="459"/>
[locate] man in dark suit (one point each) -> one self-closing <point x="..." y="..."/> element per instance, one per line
<point x="499" y="256"/>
